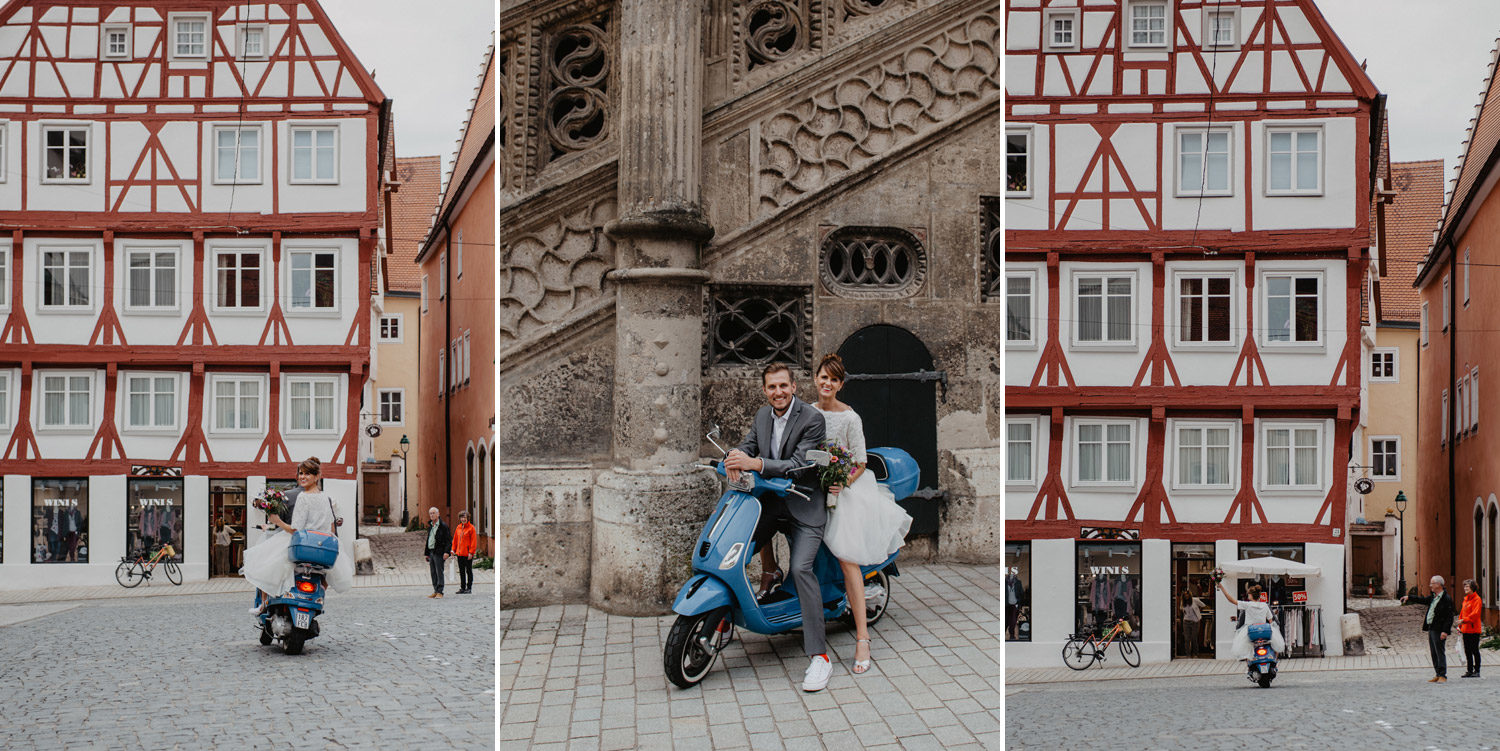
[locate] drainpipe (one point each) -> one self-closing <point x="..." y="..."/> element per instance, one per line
<point x="1452" y="408"/>
<point x="448" y="372"/>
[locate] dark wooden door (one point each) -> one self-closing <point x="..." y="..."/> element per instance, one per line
<point x="893" y="386"/>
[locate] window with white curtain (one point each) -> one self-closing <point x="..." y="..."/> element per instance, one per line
<point x="312" y="403"/>
<point x="1290" y="455"/>
<point x="1104" y="451"/>
<point x="237" y="403"/>
<point x="151" y="401"/>
<point x="151" y="279"/>
<point x="1204" y="454"/>
<point x="1020" y="308"/>
<point x="67" y="400"/>
<point x="1103" y="308"/>
<point x="5" y="420"/>
<point x="1020" y="451"/>
<point x="1205" y="308"/>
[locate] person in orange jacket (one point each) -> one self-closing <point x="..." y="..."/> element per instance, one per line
<point x="1469" y="626"/>
<point x="465" y="541"/>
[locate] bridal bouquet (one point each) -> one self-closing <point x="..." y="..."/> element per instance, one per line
<point x="1218" y="575"/>
<point x="840" y="465"/>
<point x="272" y="501"/>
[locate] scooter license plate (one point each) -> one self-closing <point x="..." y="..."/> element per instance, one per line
<point x="302" y="619"/>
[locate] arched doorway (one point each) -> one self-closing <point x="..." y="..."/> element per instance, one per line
<point x="893" y="386"/>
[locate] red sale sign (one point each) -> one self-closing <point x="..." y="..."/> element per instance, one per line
<point x="1299" y="596"/>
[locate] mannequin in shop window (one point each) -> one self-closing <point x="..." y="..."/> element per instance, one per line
<point x="1256" y="612"/>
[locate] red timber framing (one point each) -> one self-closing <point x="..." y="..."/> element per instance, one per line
<point x="1108" y="207"/>
<point x="156" y="190"/>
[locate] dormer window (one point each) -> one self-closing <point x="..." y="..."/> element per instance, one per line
<point x="253" y="42"/>
<point x="115" y="44"/>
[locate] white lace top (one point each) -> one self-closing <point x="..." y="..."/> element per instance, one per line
<point x="847" y="430"/>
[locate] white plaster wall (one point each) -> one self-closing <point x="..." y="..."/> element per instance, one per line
<point x="242" y="197"/>
<point x="235" y="446"/>
<point x="1336" y="207"/>
<point x="348" y="194"/>
<point x="1156" y="601"/>
<point x="66" y="442"/>
<point x="238" y="325"/>
<point x="1183" y="211"/>
<point x="51" y="326"/>
<point x="195" y="533"/>
<point x="1301" y="364"/>
<point x="1105" y="364"/>
<point x="1021" y="359"/>
<point x="1030" y="212"/>
<point x="15" y="516"/>
<point x="42" y="196"/>
<point x="153" y="326"/>
<point x="150" y="445"/>
<point x="323" y="327"/>
<point x="1103" y="501"/>
<point x="1198" y="363"/>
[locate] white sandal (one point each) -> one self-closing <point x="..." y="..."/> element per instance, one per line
<point x="861" y="666"/>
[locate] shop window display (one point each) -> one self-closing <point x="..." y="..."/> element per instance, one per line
<point x="1018" y="591"/>
<point x="60" y="520"/>
<point x="227" y="511"/>
<point x="1109" y="586"/>
<point x="153" y="515"/>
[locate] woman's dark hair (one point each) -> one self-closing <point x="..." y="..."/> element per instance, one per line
<point x="834" y="365"/>
<point x="311" y="466"/>
<point x="1473" y="587"/>
<point x="1253" y="591"/>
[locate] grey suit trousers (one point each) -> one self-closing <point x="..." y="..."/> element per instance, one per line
<point x="805" y="541"/>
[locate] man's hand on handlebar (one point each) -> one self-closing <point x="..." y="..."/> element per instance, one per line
<point x="737" y="461"/>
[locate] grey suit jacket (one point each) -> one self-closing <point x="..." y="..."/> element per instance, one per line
<point x="804" y="431"/>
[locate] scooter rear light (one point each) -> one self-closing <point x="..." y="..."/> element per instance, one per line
<point x="1260" y="652"/>
<point x="307" y="587"/>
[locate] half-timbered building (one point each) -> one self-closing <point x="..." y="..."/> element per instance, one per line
<point x="187" y="221"/>
<point x="1187" y="234"/>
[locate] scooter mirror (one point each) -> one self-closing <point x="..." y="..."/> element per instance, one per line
<point x="712" y="434"/>
<point x="819" y="457"/>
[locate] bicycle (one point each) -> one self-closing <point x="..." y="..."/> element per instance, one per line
<point x="1082" y="650"/>
<point x="132" y="571"/>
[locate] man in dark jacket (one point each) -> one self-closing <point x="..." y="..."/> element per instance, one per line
<point x="1438" y="623"/>
<point x="440" y="543"/>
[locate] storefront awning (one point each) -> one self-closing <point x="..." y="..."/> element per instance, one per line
<point x="1271" y="566"/>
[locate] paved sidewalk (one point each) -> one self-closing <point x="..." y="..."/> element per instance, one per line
<point x="575" y="677"/>
<point x="1393" y="640"/>
<point x="397" y="557"/>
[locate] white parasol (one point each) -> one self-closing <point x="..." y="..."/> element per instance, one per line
<point x="1270" y="566"/>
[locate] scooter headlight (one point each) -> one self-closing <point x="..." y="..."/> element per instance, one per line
<point x="732" y="558"/>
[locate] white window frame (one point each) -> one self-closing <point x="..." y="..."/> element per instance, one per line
<point x="5" y="271"/>
<point x="1422" y="331"/>
<point x="1263" y="462"/>
<point x="1174" y="428"/>
<point x="442" y="371"/>
<point x="1075" y="451"/>
<point x="1474" y="399"/>
<point x="1461" y="407"/>
<point x="128" y="285"/>
<point x="455" y="363"/>
<point x="312" y="308"/>
<point x="400" y="321"/>
<point x="1208" y="40"/>
<point x="1293" y="188"/>
<point x="1466" y="277"/>
<point x="4" y="150"/>
<point x="467" y="360"/>
<point x="1203" y="153"/>
<point x="313" y="381"/>
<point x="1107" y="273"/>
<point x="380" y="403"/>
<point x="267" y="278"/>
<point x="1031" y="276"/>
<point x="458" y="255"/>
<point x="1027" y="133"/>
<point x="5" y="392"/>
<point x="1444" y="435"/>
<point x="240" y="161"/>
<point x="1262" y="315"/>
<point x="88" y="153"/>
<point x="241" y="38"/>
<point x="291" y="161"/>
<point x="1049" y="34"/>
<point x="104" y="48"/>
<point x="424" y="294"/>
<point x="1370" y="453"/>
<point x="1395" y="362"/>
<point x="174" y="51"/>
<point x="69" y="425"/>
<point x="126" y="386"/>
<point x="1447" y="299"/>
<point x="1174" y="313"/>
<point x="442" y="276"/>
<point x="41" y="277"/>
<point x="262" y="402"/>
<point x="1128" y="29"/>
<point x="1034" y="423"/>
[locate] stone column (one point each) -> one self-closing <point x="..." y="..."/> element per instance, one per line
<point x="649" y="507"/>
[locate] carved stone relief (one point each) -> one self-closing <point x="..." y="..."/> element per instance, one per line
<point x="840" y="128"/>
<point x="767" y="32"/>
<point x="575" y="115"/>
<point x="547" y="274"/>
<point x="872" y="262"/>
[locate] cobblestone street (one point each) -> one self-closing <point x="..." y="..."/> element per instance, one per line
<point x="392" y="669"/>
<point x="576" y="678"/>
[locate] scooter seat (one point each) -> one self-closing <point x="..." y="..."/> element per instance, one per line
<point x="1260" y="631"/>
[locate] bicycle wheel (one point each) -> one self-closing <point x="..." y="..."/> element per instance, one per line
<point x="174" y="574"/>
<point x="1078" y="654"/>
<point x="129" y="573"/>
<point x="1130" y="653"/>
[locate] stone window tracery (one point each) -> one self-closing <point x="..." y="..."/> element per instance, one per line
<point x="756" y="325"/>
<point x="575" y="112"/>
<point x="989" y="247"/>
<point x="773" y="30"/>
<point x="870" y="262"/>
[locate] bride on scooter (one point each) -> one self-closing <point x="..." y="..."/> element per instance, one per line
<point x="865" y="525"/>
<point x="1256" y="612"/>
<point x="266" y="563"/>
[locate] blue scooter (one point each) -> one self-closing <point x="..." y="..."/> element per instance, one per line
<point x="719" y="597"/>
<point x="293" y="617"/>
<point x="1261" y="667"/>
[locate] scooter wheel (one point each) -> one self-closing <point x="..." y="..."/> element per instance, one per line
<point x="1265" y="680"/>
<point x="265" y="637"/>
<point x="877" y="599"/>
<point x="684" y="657"/>
<point x="293" y="644"/>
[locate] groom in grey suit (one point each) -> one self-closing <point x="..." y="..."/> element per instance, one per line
<point x="782" y="434"/>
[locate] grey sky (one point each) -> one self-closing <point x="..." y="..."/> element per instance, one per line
<point x="1430" y="58"/>
<point x="426" y="56"/>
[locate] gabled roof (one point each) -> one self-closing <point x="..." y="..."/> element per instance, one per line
<point x="474" y="146"/>
<point x="411" y="217"/>
<point x="1410" y="219"/>
<point x="1475" y="162"/>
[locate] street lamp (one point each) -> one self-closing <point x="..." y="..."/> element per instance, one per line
<point x="405" y="512"/>
<point x="1401" y="540"/>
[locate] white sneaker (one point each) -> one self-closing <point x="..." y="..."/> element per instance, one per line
<point x="818" y="672"/>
